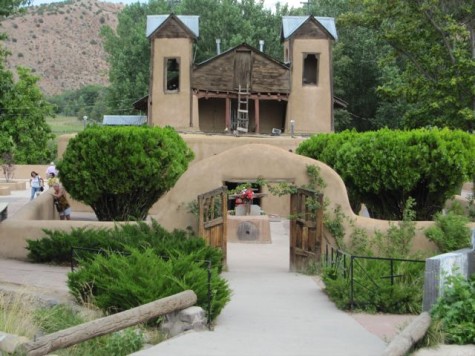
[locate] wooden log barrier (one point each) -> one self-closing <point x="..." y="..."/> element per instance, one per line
<point x="412" y="333"/>
<point x="108" y="324"/>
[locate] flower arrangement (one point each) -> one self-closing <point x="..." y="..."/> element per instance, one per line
<point x="247" y="195"/>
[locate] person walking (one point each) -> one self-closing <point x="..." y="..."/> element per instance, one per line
<point x="61" y="202"/>
<point x="36" y="184"/>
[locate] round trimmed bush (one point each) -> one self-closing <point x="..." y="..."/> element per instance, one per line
<point x="122" y="171"/>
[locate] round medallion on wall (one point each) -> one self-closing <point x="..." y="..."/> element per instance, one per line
<point x="247" y="231"/>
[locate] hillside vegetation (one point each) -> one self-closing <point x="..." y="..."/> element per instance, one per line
<point x="61" y="43"/>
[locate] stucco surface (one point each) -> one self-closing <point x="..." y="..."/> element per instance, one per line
<point x="242" y="163"/>
<point x="238" y="163"/>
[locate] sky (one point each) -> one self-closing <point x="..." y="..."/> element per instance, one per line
<point x="267" y="3"/>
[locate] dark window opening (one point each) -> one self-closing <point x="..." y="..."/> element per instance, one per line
<point x="172" y="79"/>
<point x="310" y="69"/>
<point x="233" y="185"/>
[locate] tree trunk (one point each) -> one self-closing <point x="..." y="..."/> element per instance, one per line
<point x="412" y="333"/>
<point x="472" y="37"/>
<point x="108" y="324"/>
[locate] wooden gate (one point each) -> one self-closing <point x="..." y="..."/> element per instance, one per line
<point x="306" y="226"/>
<point x="213" y="210"/>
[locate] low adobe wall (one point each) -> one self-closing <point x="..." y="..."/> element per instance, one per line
<point x="242" y="163"/>
<point x="207" y="145"/>
<point x="29" y="222"/>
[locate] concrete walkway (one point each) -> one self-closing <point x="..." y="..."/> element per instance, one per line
<point x="273" y="312"/>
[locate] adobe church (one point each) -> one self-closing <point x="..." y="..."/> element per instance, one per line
<point x="241" y="90"/>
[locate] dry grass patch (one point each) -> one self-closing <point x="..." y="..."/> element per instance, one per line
<point x="17" y="313"/>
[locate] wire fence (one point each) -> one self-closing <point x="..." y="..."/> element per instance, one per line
<point x="352" y="268"/>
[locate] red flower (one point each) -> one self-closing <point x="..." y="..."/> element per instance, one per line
<point x="247" y="195"/>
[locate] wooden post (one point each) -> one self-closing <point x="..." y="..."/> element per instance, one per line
<point x="108" y="324"/>
<point x="258" y="119"/>
<point x="228" y="113"/>
<point x="224" y="214"/>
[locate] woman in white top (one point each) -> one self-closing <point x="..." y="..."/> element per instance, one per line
<point x="36" y="182"/>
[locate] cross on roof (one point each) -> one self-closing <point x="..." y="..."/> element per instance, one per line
<point x="308" y="3"/>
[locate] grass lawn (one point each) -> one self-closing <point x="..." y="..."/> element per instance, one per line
<point x="61" y="125"/>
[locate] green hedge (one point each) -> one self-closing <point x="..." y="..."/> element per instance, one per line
<point x="56" y="245"/>
<point x="382" y="169"/>
<point x="450" y="232"/>
<point x="122" y="171"/>
<point x="137" y="263"/>
<point x="117" y="282"/>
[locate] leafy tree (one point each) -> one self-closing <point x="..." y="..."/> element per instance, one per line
<point x="433" y="44"/>
<point x="89" y="100"/>
<point x="121" y="172"/>
<point x="11" y="7"/>
<point x="22" y="115"/>
<point x="24" y="133"/>
<point x="234" y="22"/>
<point x="383" y="169"/>
<point x="357" y="71"/>
<point x="129" y="56"/>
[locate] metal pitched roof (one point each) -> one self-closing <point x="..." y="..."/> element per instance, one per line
<point x="291" y="23"/>
<point x="124" y="120"/>
<point x="155" y="21"/>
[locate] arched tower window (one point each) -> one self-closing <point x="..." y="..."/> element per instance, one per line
<point x="310" y="69"/>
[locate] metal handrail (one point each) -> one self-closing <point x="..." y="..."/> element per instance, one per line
<point x="335" y="256"/>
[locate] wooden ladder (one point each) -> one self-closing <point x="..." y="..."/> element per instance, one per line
<point x="243" y="109"/>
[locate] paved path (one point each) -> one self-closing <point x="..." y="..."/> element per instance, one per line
<point x="16" y="199"/>
<point x="273" y="312"/>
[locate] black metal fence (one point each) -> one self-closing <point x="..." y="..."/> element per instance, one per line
<point x="348" y="266"/>
<point x="74" y="263"/>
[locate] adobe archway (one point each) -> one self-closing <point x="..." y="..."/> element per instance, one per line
<point x="272" y="163"/>
<point x="242" y="163"/>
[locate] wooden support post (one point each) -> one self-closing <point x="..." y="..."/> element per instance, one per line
<point x="257" y="116"/>
<point x="228" y="113"/>
<point x="108" y="324"/>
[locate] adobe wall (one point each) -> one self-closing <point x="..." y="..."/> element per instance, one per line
<point x="272" y="163"/>
<point x="170" y="108"/>
<point x="243" y="162"/>
<point x="311" y="105"/>
<point x="206" y="145"/>
<point x="29" y="222"/>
